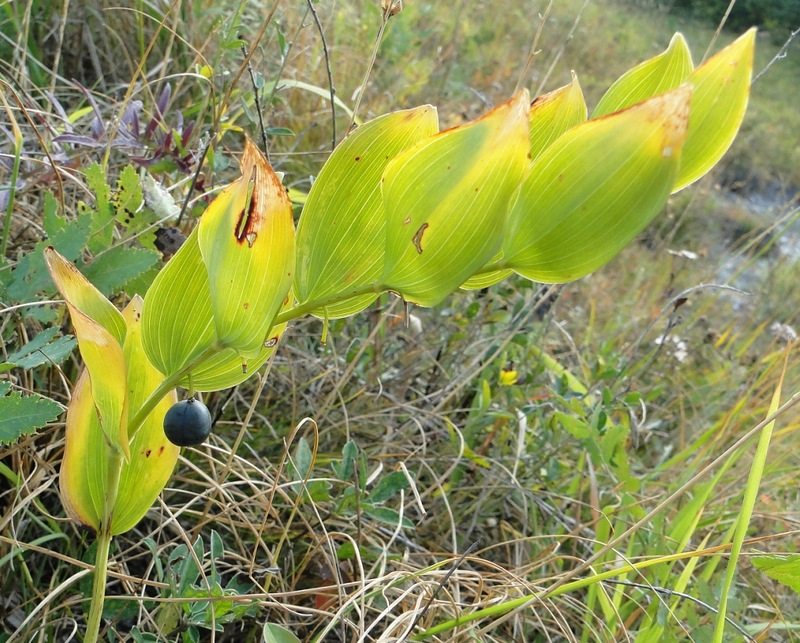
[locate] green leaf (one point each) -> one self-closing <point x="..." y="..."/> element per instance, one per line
<point x="120" y="265"/>
<point x="273" y="633"/>
<point x="595" y="189"/>
<point x="248" y="250"/>
<point x="22" y="415"/>
<point x="342" y="231"/>
<point x="344" y="468"/>
<point x="303" y="460"/>
<point x="657" y="75"/>
<point x="554" y="114"/>
<point x="41" y="350"/>
<point x="721" y="88"/>
<point x="68" y="236"/>
<point x="784" y="568"/>
<point x="388" y="487"/>
<point x="102" y="215"/>
<point x="128" y="200"/>
<point x="177" y="324"/>
<point x="387" y="516"/>
<point x="152" y="455"/>
<point x="446" y="201"/>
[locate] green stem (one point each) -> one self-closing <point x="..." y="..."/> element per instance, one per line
<point x="104" y="535"/>
<point x="319" y="304"/>
<point x="169" y="383"/>
<point x="503" y="608"/>
<point x="98" y="588"/>
<point x="111" y="486"/>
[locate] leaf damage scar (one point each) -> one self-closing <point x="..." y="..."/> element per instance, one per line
<point x="417" y="239"/>
<point x="248" y="222"/>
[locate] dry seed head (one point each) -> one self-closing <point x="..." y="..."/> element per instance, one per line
<point x="391" y="7"/>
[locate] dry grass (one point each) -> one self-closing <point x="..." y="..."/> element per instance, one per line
<point x="504" y="502"/>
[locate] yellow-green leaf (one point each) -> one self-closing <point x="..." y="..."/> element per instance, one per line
<point x="80" y="292"/>
<point x="595" y="188"/>
<point x="227" y="368"/>
<point x="81" y="485"/>
<point x="152" y="456"/>
<point x="721" y="88"/>
<point x="247" y="245"/>
<point x="659" y="74"/>
<point x="177" y="323"/>
<point x="555" y="113"/>
<point x="341" y="233"/>
<point x="105" y="364"/>
<point x="446" y="201"/>
<point x="489" y="278"/>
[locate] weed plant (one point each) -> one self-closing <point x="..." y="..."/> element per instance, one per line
<point x="579" y="444"/>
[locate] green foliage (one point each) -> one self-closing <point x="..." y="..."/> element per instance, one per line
<point x="21" y="415"/>
<point x="777" y="15"/>
<point x="784" y="568"/>
<point x="548" y="459"/>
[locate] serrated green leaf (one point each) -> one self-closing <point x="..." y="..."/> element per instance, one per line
<point x="41" y="350"/>
<point x="721" y="89"/>
<point x="120" y="265"/>
<point x="595" y="189"/>
<point x="659" y="74"/>
<point x="22" y="415"/>
<point x="554" y="114"/>
<point x="273" y="633"/>
<point x="446" y="201"/>
<point x="784" y="568"/>
<point x="342" y="231"/>
<point x="128" y="200"/>
<point x="247" y="245"/>
<point x="102" y="215"/>
<point x="152" y="455"/>
<point x="68" y="236"/>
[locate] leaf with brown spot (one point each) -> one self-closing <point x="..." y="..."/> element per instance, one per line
<point x="446" y="201"/>
<point x="342" y="231"/>
<point x="246" y="239"/>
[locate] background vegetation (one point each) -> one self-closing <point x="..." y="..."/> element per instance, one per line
<point x="405" y="473"/>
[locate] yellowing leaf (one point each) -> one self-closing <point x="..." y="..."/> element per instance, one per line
<point x="446" y="201"/>
<point x="657" y="75"/>
<point x="152" y="456"/>
<point x="594" y="189"/>
<point x="83" y="467"/>
<point x="105" y="364"/>
<point x="177" y="324"/>
<point x="247" y="245"/>
<point x="721" y="88"/>
<point x="555" y="113"/>
<point x="99" y="333"/>
<point x="81" y="294"/>
<point x="342" y="231"/>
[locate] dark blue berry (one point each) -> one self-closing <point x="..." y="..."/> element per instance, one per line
<point x="187" y="423"/>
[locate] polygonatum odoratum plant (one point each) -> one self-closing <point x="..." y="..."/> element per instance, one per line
<point x="533" y="188"/>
